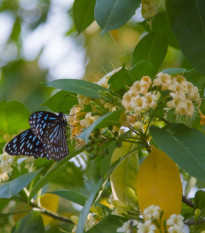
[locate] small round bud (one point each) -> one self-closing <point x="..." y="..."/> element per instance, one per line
<point x="92" y="156"/>
<point x="197" y="213"/>
<point x="119" y="144"/>
<point x="89" y="143"/>
<point x="116" y="133"/>
<point x="110" y="127"/>
<point x="96" y="132"/>
<point x="89" y="149"/>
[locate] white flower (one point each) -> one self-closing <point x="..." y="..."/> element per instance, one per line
<point x="104" y="80"/>
<point x="163" y="80"/>
<point x="176" y="220"/>
<point x="190" y="108"/>
<point x="89" y="119"/>
<point x="126" y="100"/>
<point x="83" y="100"/>
<point x="175" y="229"/>
<point x="146" y="227"/>
<point x="91" y="221"/>
<point x="151" y="100"/>
<point x="139" y="88"/>
<point x="177" y="87"/>
<point x="146" y="80"/>
<point x="180" y="79"/>
<point x="139" y="104"/>
<point x="193" y="93"/>
<point x="128" y="226"/>
<point x="152" y="212"/>
<point x="179" y="103"/>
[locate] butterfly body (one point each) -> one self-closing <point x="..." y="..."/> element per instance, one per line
<point x="45" y="138"/>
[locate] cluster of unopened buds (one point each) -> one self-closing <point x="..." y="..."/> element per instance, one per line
<point x="145" y="94"/>
<point x="152" y="216"/>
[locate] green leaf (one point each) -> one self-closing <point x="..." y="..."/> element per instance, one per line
<point x="152" y="47"/>
<point x="83" y="13"/>
<point x="112" y="14"/>
<point x="109" y="224"/>
<point x="174" y="71"/>
<point x="111" y="118"/>
<point x="140" y="69"/>
<point x="120" y="80"/>
<point x="62" y="101"/>
<point x="11" y="188"/>
<point x="184" y="145"/>
<point x="71" y="195"/>
<point x="76" y="86"/>
<point x="86" y="208"/>
<point x="160" y="23"/>
<point x="124" y="78"/>
<point x="199" y="200"/>
<point x="188" y="23"/>
<point x="31" y="223"/>
<point x="124" y="176"/>
<point x="52" y="172"/>
<point x="14" y="117"/>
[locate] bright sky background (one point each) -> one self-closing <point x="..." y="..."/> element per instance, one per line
<point x="61" y="55"/>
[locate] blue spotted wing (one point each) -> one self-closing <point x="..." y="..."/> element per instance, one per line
<point x="26" y="143"/>
<point x="49" y="128"/>
<point x="46" y="138"/>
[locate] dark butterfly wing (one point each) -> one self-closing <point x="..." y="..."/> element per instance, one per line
<point x="27" y="144"/>
<point x="48" y="127"/>
<point x="46" y="138"/>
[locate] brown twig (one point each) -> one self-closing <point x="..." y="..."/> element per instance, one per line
<point x="50" y="213"/>
<point x="187" y="201"/>
<point x="191" y="222"/>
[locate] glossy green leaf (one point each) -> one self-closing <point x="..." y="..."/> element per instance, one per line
<point x="173" y="71"/>
<point x="62" y="101"/>
<point x="112" y="14"/>
<point x="140" y="69"/>
<point x="160" y="23"/>
<point x="125" y="78"/>
<point x="199" y="200"/>
<point x="120" y="80"/>
<point x="124" y="176"/>
<point x="76" y="86"/>
<point x="111" y="118"/>
<point x="14" y="117"/>
<point x="152" y="47"/>
<point x="53" y="171"/>
<point x="188" y="23"/>
<point x="11" y="188"/>
<point x="184" y="145"/>
<point x="87" y="206"/>
<point x="71" y="195"/>
<point x="83" y="13"/>
<point x="31" y="223"/>
<point x="108" y="224"/>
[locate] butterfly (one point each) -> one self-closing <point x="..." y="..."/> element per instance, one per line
<point x="45" y="138"/>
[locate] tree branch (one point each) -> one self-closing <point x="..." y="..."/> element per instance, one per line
<point x="187" y="201"/>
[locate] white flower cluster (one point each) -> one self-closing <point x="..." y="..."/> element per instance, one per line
<point x="152" y="213"/>
<point x="5" y="166"/>
<point x="175" y="223"/>
<point x="141" y="97"/>
<point x="138" y="98"/>
<point x="184" y="94"/>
